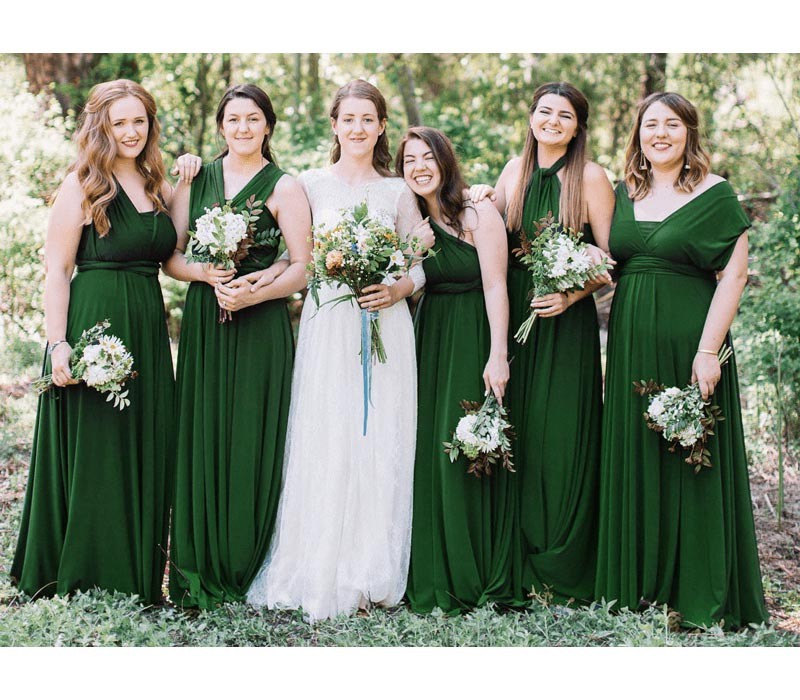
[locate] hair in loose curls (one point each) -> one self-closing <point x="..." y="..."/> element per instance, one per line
<point x="97" y="150"/>
<point x="450" y="195"/>
<point x="571" y="204"/>
<point x="255" y="93"/>
<point x="381" y="157"/>
<point x="697" y="163"/>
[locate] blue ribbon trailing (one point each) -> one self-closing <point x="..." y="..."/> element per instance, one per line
<point x="367" y="317"/>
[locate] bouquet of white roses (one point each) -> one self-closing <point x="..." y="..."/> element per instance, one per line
<point x="682" y="416"/>
<point x="357" y="251"/>
<point x="483" y="436"/>
<point x="222" y="236"/>
<point x="557" y="260"/>
<point x="100" y="361"/>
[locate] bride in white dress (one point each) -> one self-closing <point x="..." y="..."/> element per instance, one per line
<point x="343" y="529"/>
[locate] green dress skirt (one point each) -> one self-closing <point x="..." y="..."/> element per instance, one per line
<point x="555" y="405"/>
<point x="462" y="526"/>
<point x="97" y="503"/>
<point x="233" y="384"/>
<point x="668" y="535"/>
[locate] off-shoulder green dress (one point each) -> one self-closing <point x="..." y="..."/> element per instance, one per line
<point x="668" y="535"/>
<point x="233" y="384"/>
<point x="96" y="509"/>
<point x="462" y="528"/>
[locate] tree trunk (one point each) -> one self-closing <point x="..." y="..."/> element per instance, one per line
<point x="59" y="74"/>
<point x="203" y="98"/>
<point x="654" y="78"/>
<point x="405" y="80"/>
<point x="227" y="70"/>
<point x="315" y="104"/>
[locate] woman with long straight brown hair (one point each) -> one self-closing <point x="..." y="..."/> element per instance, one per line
<point x="97" y="502"/>
<point x="343" y="530"/>
<point x="234" y="378"/>
<point x="669" y="535"/>
<point x="554" y="394"/>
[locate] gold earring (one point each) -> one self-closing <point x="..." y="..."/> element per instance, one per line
<point x="642" y="161"/>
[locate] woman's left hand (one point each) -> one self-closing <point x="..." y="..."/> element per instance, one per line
<point x="495" y="377"/>
<point x="377" y="297"/>
<point x="706" y="372"/>
<point x="551" y="304"/>
<point x="598" y="256"/>
<point x="235" y="295"/>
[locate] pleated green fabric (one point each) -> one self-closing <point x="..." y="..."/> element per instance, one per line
<point x="96" y="509"/>
<point x="555" y="404"/>
<point x="462" y="528"/>
<point x="233" y="384"/>
<point x="668" y="535"/>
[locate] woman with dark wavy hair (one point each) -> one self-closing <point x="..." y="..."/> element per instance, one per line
<point x="555" y="393"/>
<point x="97" y="502"/>
<point x="234" y="378"/>
<point x="669" y="535"/>
<point x="462" y="525"/>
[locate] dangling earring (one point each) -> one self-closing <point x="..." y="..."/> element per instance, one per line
<point x="642" y="161"/>
<point x="686" y="164"/>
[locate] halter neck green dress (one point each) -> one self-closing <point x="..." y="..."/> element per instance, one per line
<point x="555" y="405"/>
<point x="462" y="526"/>
<point x="668" y="535"/>
<point x="233" y="383"/>
<point x="96" y="509"/>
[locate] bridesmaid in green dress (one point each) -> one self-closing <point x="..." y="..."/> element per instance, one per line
<point x="97" y="502"/>
<point x="668" y="535"/>
<point x="462" y="525"/>
<point x="555" y="394"/>
<point x="233" y="378"/>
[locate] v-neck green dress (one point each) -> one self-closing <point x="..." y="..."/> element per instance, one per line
<point x="96" y="509"/>
<point x="555" y="404"/>
<point x="668" y="535"/>
<point x="233" y="384"/>
<point x="461" y="535"/>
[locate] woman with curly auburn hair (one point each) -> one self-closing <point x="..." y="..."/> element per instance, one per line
<point x="97" y="503"/>
<point x="669" y="535"/>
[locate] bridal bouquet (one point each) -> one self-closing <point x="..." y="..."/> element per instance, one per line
<point x="483" y="435"/>
<point x="100" y="361"/>
<point x="557" y="260"/>
<point x="356" y="251"/>
<point x="682" y="416"/>
<point x="223" y="236"/>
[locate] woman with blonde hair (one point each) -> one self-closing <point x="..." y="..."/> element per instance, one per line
<point x="669" y="535"/>
<point x="554" y="393"/>
<point x="97" y="503"/>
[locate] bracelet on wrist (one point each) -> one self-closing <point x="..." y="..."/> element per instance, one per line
<point x="707" y="352"/>
<point x="53" y="346"/>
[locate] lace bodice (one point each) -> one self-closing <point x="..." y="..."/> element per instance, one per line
<point x="388" y="198"/>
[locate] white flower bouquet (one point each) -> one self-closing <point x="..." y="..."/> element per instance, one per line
<point x="558" y="261"/>
<point x="100" y="361"/>
<point x="483" y="436"/>
<point x="223" y="236"/>
<point x="682" y="416"/>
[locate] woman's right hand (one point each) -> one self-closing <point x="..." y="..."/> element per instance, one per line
<point x="478" y="193"/>
<point x="210" y="274"/>
<point x="186" y="167"/>
<point x="424" y="233"/>
<point x="59" y="362"/>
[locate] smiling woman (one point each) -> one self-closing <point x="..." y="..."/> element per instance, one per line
<point x="97" y="505"/>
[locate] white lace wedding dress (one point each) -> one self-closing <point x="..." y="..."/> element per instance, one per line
<point x="343" y="530"/>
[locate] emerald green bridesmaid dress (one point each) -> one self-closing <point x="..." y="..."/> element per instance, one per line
<point x="96" y="509"/>
<point x="461" y="535"/>
<point x="233" y="384"/>
<point x="668" y="535"/>
<point x="555" y="405"/>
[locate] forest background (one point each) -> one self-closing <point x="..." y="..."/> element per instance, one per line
<point x="749" y="106"/>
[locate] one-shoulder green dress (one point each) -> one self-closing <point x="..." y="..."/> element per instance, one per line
<point x="233" y="384"/>
<point x="96" y="509"/>
<point x="555" y="405"/>
<point x="461" y="535"/>
<point x="668" y="535"/>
